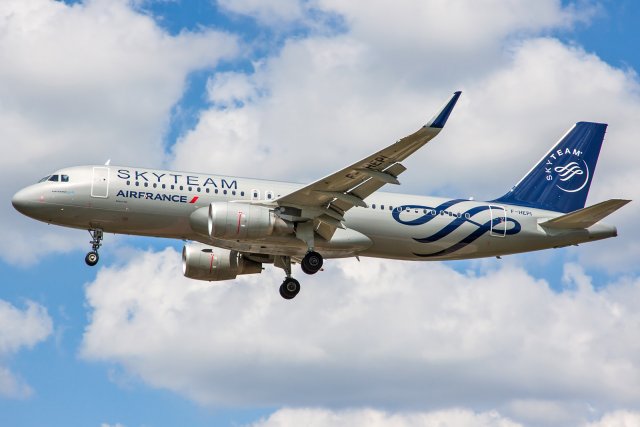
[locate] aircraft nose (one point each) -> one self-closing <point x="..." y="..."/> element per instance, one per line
<point x="22" y="201"/>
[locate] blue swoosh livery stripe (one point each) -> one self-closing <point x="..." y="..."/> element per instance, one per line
<point x="455" y="224"/>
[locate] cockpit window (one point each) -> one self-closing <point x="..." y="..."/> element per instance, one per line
<point x="55" y="178"/>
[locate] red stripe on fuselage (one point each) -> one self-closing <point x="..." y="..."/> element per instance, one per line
<point x="195" y="199"/>
<point x="239" y="221"/>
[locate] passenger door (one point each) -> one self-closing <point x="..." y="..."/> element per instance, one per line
<point x="100" y="182"/>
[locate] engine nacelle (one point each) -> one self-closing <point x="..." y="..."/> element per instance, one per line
<point x="202" y="262"/>
<point x="244" y="221"/>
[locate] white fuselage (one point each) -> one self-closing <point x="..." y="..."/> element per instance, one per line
<point x="160" y="203"/>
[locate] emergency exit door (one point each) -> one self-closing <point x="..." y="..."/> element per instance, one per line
<point x="498" y="221"/>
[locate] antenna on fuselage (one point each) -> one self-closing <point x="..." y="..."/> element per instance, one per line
<point x="108" y="162"/>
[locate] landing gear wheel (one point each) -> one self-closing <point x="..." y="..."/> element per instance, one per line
<point x="92" y="258"/>
<point x="311" y="263"/>
<point x="289" y="288"/>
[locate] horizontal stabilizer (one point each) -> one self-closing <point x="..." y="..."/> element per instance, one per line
<point x="586" y="217"/>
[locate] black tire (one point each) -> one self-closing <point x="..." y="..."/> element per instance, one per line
<point x="92" y="258"/>
<point x="289" y="288"/>
<point x="312" y="262"/>
<point x="304" y="269"/>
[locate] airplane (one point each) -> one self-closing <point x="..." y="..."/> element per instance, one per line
<point x="232" y="226"/>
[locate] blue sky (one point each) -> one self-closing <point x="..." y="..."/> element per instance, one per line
<point x="247" y="88"/>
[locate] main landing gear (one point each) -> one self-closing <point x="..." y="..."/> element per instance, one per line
<point x="311" y="264"/>
<point x="92" y="257"/>
<point x="289" y="288"/>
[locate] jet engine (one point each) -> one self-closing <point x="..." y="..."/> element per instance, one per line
<point x="202" y="262"/>
<point x="244" y="221"/>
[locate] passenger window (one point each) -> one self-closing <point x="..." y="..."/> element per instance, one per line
<point x="64" y="178"/>
<point x="373" y="206"/>
<point x="269" y="195"/>
<point x="54" y="178"/>
<point x="382" y="207"/>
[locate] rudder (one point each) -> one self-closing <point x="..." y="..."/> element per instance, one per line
<point x="560" y="181"/>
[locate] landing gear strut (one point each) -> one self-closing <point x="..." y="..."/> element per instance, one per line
<point x="96" y="241"/>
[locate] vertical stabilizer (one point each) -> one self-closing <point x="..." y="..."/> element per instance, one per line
<point x="560" y="181"/>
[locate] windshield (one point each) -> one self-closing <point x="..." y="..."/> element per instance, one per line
<point x="55" y="178"/>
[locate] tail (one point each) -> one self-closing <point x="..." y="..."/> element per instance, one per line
<point x="560" y="181"/>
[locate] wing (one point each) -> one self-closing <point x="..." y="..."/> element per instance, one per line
<point x="327" y="199"/>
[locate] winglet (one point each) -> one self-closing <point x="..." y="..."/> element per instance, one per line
<point x="438" y="121"/>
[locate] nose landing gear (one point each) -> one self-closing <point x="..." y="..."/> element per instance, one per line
<point x="92" y="257"/>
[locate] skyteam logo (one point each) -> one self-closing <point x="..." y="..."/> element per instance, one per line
<point x="569" y="172"/>
<point x="468" y="225"/>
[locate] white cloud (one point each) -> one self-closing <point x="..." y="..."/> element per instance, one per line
<point x="370" y="333"/>
<point x="270" y="12"/>
<point x="12" y="386"/>
<point x="618" y="419"/>
<point x="316" y="417"/>
<point x="81" y="84"/>
<point x="376" y="418"/>
<point x="19" y="329"/>
<point x="225" y="89"/>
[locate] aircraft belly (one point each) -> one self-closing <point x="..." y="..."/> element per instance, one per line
<point x="344" y="243"/>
